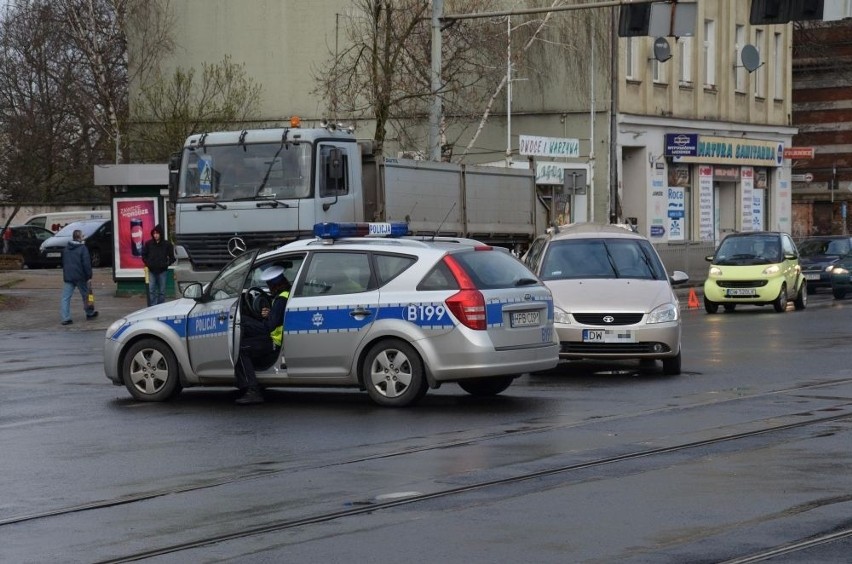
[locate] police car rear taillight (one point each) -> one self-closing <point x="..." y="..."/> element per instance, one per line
<point x="468" y="305"/>
<point x="469" y="308"/>
<point x="333" y="230"/>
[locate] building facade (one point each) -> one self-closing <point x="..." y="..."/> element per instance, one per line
<point x="688" y="149"/>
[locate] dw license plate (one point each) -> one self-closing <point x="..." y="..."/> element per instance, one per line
<point x="741" y="292"/>
<point x="608" y="336"/>
<point x="525" y="318"/>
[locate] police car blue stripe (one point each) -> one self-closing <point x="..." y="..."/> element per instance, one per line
<point x="207" y="325"/>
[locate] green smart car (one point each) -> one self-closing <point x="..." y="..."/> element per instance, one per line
<point x="760" y="268"/>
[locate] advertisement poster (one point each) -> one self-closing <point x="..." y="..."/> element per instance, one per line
<point x="706" y="229"/>
<point x="676" y="212"/>
<point x="658" y="205"/>
<point x="746" y="201"/>
<point x="134" y="219"/>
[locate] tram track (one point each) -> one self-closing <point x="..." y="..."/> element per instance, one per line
<point x="264" y="470"/>
<point x="273" y="526"/>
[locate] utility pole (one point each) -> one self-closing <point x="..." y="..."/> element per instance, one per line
<point x="437" y="102"/>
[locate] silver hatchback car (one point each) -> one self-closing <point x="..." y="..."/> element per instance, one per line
<point x="394" y="316"/>
<point x="612" y="296"/>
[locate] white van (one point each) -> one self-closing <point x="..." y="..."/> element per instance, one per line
<point x="57" y="220"/>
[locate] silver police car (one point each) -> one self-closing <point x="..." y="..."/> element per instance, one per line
<point x="394" y="316"/>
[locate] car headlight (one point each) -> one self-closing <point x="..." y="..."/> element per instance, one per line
<point x="829" y="268"/>
<point x="561" y="316"/>
<point x="771" y="270"/>
<point x="663" y="314"/>
<point x="840" y="271"/>
<point x="715" y="271"/>
<point x="114" y="327"/>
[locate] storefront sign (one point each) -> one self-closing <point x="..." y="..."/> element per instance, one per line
<point x="676" y="212"/>
<point x="798" y="153"/>
<point x="679" y="175"/>
<point x="681" y="144"/>
<point x="550" y="173"/>
<point x="735" y="151"/>
<point x="726" y="173"/>
<point x="548" y="146"/>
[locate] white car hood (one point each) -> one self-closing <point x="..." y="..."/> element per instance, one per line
<point x="177" y="308"/>
<point x="610" y="295"/>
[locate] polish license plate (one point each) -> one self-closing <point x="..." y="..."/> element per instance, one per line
<point x="812" y="276"/>
<point x="740" y="292"/>
<point x="54" y="255"/>
<point x="525" y="318"/>
<point x="608" y="336"/>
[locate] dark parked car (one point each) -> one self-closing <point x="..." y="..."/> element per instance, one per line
<point x="97" y="234"/>
<point x="818" y="256"/>
<point x="26" y="240"/>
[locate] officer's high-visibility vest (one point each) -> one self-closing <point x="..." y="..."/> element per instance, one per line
<point x="277" y="334"/>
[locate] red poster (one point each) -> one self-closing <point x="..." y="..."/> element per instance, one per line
<point x="134" y="219"/>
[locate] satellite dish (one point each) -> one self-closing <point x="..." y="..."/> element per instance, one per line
<point x="750" y="58"/>
<point x="662" y="51"/>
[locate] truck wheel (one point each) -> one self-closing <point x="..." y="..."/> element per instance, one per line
<point x="710" y="307"/>
<point x="150" y="371"/>
<point x="486" y="386"/>
<point x="393" y="374"/>
<point x="671" y="366"/>
<point x="780" y="303"/>
<point x="801" y="301"/>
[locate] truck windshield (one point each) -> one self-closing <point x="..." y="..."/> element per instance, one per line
<point x="261" y="171"/>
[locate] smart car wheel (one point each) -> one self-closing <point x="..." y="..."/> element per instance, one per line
<point x="393" y="374"/>
<point x="730" y="307"/>
<point x="150" y="371"/>
<point x="671" y="366"/>
<point x="801" y="301"/>
<point x="780" y="303"/>
<point x="710" y="307"/>
<point x="486" y="386"/>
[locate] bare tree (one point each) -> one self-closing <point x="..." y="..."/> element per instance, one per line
<point x="99" y="32"/>
<point x="169" y="109"/>
<point x="383" y="69"/>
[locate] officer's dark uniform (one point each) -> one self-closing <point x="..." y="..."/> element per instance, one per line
<point x="260" y="341"/>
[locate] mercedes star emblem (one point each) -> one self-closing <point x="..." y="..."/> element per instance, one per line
<point x="608" y="319"/>
<point x="236" y="246"/>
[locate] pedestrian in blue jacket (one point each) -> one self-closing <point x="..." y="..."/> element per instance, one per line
<point x="76" y="273"/>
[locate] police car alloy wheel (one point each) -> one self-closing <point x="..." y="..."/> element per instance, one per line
<point x="150" y="371"/>
<point x="393" y="374"/>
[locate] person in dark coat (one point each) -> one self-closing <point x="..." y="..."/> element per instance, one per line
<point x="76" y="273"/>
<point x="260" y="340"/>
<point x="158" y="254"/>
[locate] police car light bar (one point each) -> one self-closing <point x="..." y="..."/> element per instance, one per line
<point x="334" y="230"/>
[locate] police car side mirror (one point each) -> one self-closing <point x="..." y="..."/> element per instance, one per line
<point x="193" y="291"/>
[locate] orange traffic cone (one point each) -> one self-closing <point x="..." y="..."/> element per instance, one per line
<point x="693" y="299"/>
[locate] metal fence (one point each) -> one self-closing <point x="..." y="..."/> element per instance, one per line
<point x="688" y="256"/>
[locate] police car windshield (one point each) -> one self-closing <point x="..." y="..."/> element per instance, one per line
<point x="245" y="172"/>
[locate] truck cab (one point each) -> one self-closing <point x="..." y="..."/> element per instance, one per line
<point x="259" y="189"/>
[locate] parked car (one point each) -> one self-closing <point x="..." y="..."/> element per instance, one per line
<point x="392" y="316"/>
<point x="612" y="296"/>
<point x="54" y="221"/>
<point x="97" y="234"/>
<point x="818" y="255"/>
<point x="758" y="268"/>
<point x="25" y="241"/>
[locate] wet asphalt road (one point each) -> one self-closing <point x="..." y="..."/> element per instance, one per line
<point x="746" y="452"/>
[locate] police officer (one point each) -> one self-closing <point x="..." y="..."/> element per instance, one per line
<point x="261" y="339"/>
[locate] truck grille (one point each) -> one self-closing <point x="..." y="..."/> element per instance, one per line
<point x="209" y="251"/>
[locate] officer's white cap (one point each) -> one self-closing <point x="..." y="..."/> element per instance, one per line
<point x="272" y="273"/>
